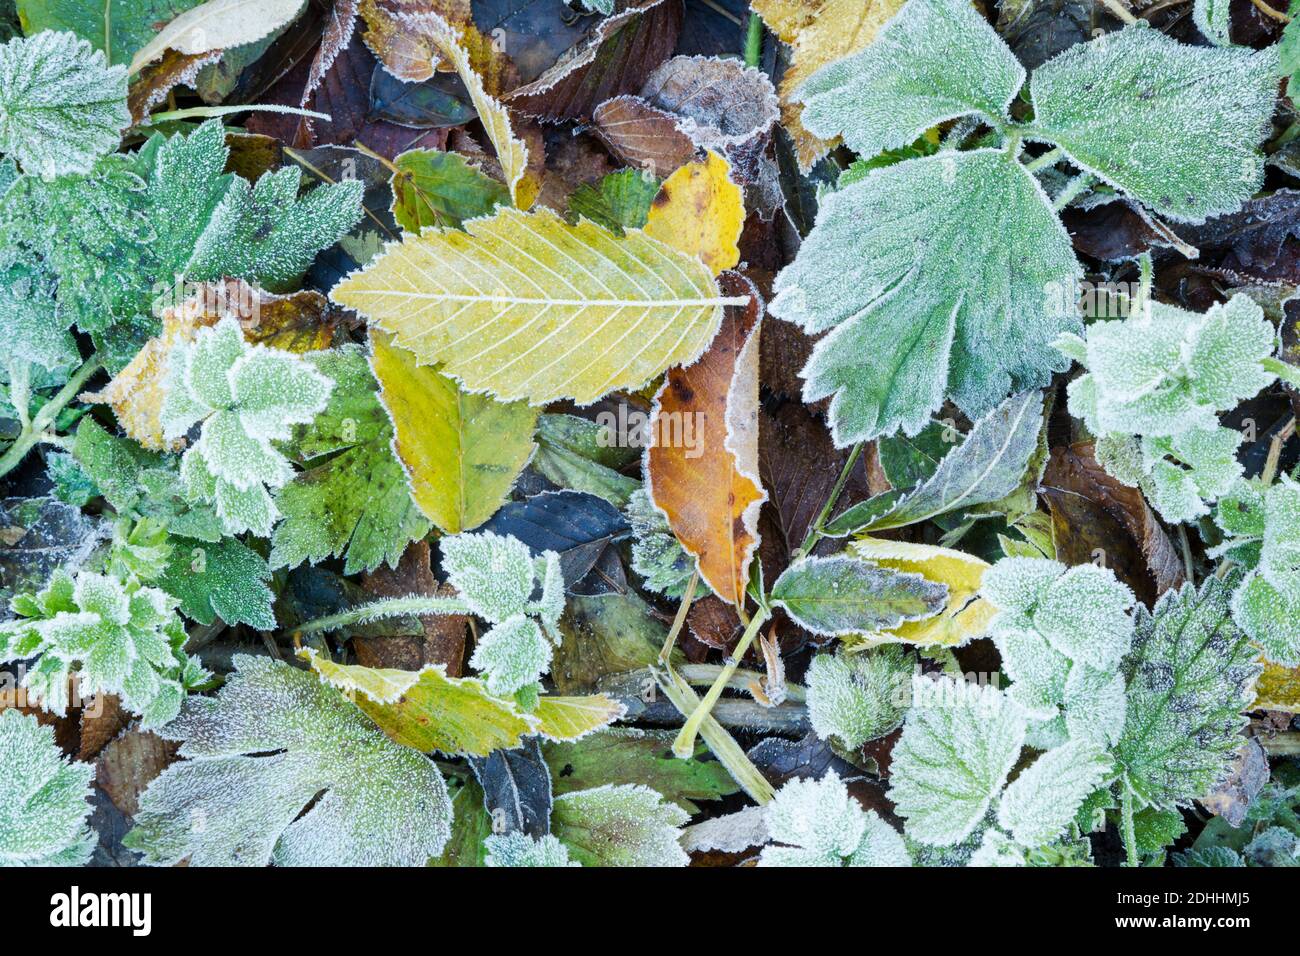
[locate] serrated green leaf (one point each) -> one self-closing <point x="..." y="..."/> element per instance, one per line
<point x="619" y="201"/>
<point x="433" y="188"/>
<point x="857" y="697"/>
<point x="625" y="825"/>
<point x="1039" y="804"/>
<point x="43" y="798"/>
<point x="225" y="579"/>
<point x="817" y="823"/>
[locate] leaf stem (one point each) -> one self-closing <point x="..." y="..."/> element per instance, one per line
<point x="754" y="40"/>
<point x="1130" y="835"/>
<point x="682" y="610"/>
<point x="1049" y="158"/>
<point x="1118" y="11"/>
<point x="684" y="745"/>
<point x="37" y="430"/>
<point x="816" y="532"/>
<point x="207" y="112"/>
<point x="416" y="604"/>
<point x="1072" y="190"/>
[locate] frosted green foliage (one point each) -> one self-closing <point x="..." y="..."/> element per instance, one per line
<point x="372" y="802"/>
<point x="1264" y="525"/>
<point x="1038" y="672"/>
<point x="998" y="849"/>
<point x="915" y="269"/>
<point x="854" y="698"/>
<point x="266" y="232"/>
<point x="35" y="331"/>
<point x="1094" y="706"/>
<point x="1190" y="676"/>
<point x="139" y="550"/>
<point x="117" y="639"/>
<point x="352" y="496"/>
<point x="1172" y="371"/>
<point x="70" y="481"/>
<point x="842" y="595"/>
<point x="959" y="742"/>
<point x="61" y="105"/>
<point x="1081" y="612"/>
<point x="43" y="798"/>
<point x="817" y="823"/>
<point x="597" y="6"/>
<point x="1039" y="804"/>
<point x="620" y="825"/>
<point x="225" y="579"/>
<point x="935" y="60"/>
<point x="1138" y="109"/>
<point x="497" y="577"/>
<point x="1216" y="856"/>
<point x="246" y="397"/>
<point x="519" y="849"/>
<point x="1212" y="19"/>
<point x="657" y="555"/>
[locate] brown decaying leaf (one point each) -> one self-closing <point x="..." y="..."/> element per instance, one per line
<point x="714" y="622"/>
<point x="102" y="719"/>
<point x="1233" y="795"/>
<point x="819" y="32"/>
<point x="709" y="487"/>
<point x="299" y="322"/>
<point x="444" y="634"/>
<point x="614" y="59"/>
<point x="722" y="104"/>
<point x="160" y="77"/>
<point x="339" y="27"/>
<point x="643" y="135"/>
<point x="1121" y="230"/>
<point x="1074" y="472"/>
<point x="400" y="34"/>
<point x="129" y="764"/>
<point x="67" y="729"/>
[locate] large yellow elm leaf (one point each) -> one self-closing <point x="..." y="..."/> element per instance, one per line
<point x="526" y="306"/>
<point x="428" y="710"/>
<point x="819" y="32"/>
<point x="702" y="465"/>
<point x="700" y="211"/>
<point x="461" y="451"/>
<point x="966" y="614"/>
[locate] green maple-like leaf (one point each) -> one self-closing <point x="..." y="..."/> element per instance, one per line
<point x="372" y="802"/>
<point x="225" y="579"/>
<point x="61" y="106"/>
<point x="915" y="268"/>
<point x="351" y="498"/>
<point x="43" y="798"/>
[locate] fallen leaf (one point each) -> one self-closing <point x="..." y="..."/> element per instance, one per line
<point x="572" y="718"/>
<point x="700" y="211"/>
<point x="443" y="641"/>
<point x="579" y="527"/>
<point x="1278" y="688"/>
<point x="706" y="479"/>
<point x="129" y="763"/>
<point x="158" y="79"/>
<point x="217" y="25"/>
<point x="643" y="135"/>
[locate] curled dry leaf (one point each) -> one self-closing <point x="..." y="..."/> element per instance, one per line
<point x="159" y="78"/>
<point x="643" y="135"/>
<point x="702" y="467"/>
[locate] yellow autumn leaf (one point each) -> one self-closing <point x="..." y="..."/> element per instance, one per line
<point x="819" y="32"/>
<point x="461" y="451"/>
<point x="965" y="616"/>
<point x="700" y="211"/>
<point x="1278" y="688"/>
<point x="571" y="718"/>
<point x="526" y="306"/>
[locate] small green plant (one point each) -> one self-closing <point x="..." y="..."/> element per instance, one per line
<point x="853" y="698"/>
<point x="43" y="798"/>
<point x="817" y="823"/>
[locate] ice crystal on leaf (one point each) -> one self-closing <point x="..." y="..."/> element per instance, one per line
<point x="817" y="823"/>
<point x="519" y="849"/>
<point x="657" y="555"/>
<point x="856" y="697"/>
<point x="620" y="825"/>
<point x="893" y="268"/>
<point x="1190" y="676"/>
<point x="959" y="742"/>
<point x="61" y="105"/>
<point x="936" y="60"/>
<point x="274" y="741"/>
<point x="497" y="577"/>
<point x="246" y="396"/>
<point x="1138" y="109"/>
<point x="842" y="595"/>
<point x="1039" y="804"/>
<point x="117" y="638"/>
<point x="1264" y="525"/>
<point x="43" y="798"/>
<point x="1154" y="387"/>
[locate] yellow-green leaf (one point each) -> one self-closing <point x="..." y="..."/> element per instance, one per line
<point x="571" y="718"/>
<point x="526" y="306"/>
<point x="1278" y="688"/>
<point x="701" y="212"/>
<point x="462" y="451"/>
<point x="965" y="616"/>
<point x="431" y="711"/>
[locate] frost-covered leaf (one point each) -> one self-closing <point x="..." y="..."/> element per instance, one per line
<point x="512" y="654"/>
<point x="462" y="452"/>
<point x="624" y="825"/>
<point x="225" y="579"/>
<point x="657" y="555"/>
<point x="619" y="201"/>
<point x="372" y="802"/>
<point x="429" y="711"/>
<point x="843" y="595"/>
<point x="351" y="498"/>
<point x="915" y="268"/>
<point x="217" y="25"/>
<point x="1082" y="612"/>
<point x="519" y="849"/>
<point x="433" y="188"/>
<point x="1212" y="19"/>
<point x="36" y="330"/>
<point x="936" y="60"/>
<point x="1177" y="127"/>
<point x="116" y="638"/>
<point x="493" y="573"/>
<point x="1039" y="804"/>
<point x="700" y="211"/>
<point x="987" y="466"/>
<point x="1261" y="524"/>
<point x="581" y="529"/>
<point x="43" y="798"/>
<point x="817" y="823"/>
<point x="959" y="743"/>
<point x="245" y="397"/>
<point x="858" y="697"/>
<point x="1191" y="675"/>
<point x="573" y="718"/>
<point x="61" y="105"/>
<point x="515" y="304"/>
